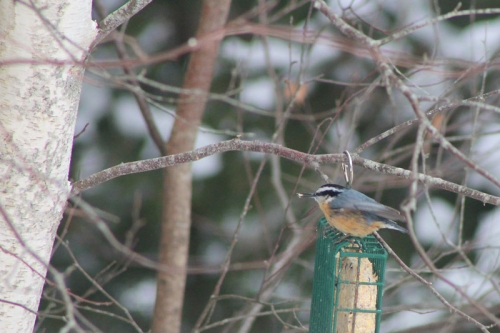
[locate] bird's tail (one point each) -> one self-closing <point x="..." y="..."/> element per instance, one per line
<point x="393" y="225"/>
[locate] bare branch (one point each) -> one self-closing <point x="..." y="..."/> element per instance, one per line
<point x="137" y="91"/>
<point x="429" y="285"/>
<point x="452" y="14"/>
<point x="118" y="17"/>
<point x="473" y="101"/>
<point x="275" y="149"/>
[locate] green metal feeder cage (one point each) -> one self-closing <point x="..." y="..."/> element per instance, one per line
<point x="349" y="278"/>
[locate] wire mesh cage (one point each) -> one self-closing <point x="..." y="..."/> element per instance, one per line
<point x="349" y="277"/>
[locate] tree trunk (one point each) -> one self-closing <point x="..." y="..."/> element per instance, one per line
<point x="176" y="215"/>
<point x="38" y="105"/>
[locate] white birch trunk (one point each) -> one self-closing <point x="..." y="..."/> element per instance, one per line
<point x="38" y="105"/>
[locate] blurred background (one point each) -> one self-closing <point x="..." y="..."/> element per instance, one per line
<point x="290" y="77"/>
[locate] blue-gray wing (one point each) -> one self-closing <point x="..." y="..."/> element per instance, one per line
<point x="378" y="209"/>
<point x="355" y="200"/>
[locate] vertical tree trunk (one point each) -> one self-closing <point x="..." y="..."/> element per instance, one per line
<point x="176" y="215"/>
<point x="38" y="106"/>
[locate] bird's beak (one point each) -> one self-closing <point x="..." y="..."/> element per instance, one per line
<point x="306" y="195"/>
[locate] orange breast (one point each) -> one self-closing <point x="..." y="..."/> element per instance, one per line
<point x="349" y="222"/>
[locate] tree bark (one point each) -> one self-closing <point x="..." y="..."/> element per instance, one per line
<point x="39" y="98"/>
<point x="176" y="214"/>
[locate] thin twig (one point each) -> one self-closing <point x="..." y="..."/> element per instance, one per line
<point x="428" y="284"/>
<point x="140" y="98"/>
<point x="118" y="17"/>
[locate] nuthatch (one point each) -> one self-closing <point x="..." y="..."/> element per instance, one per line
<point x="352" y="212"/>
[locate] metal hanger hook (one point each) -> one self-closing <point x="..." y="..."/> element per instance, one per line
<point x="348" y="170"/>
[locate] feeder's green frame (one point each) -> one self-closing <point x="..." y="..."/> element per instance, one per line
<point x="324" y="313"/>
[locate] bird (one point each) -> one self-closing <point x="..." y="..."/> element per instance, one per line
<point x="353" y="213"/>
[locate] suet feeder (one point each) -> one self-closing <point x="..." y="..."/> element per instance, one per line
<point x="349" y="278"/>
